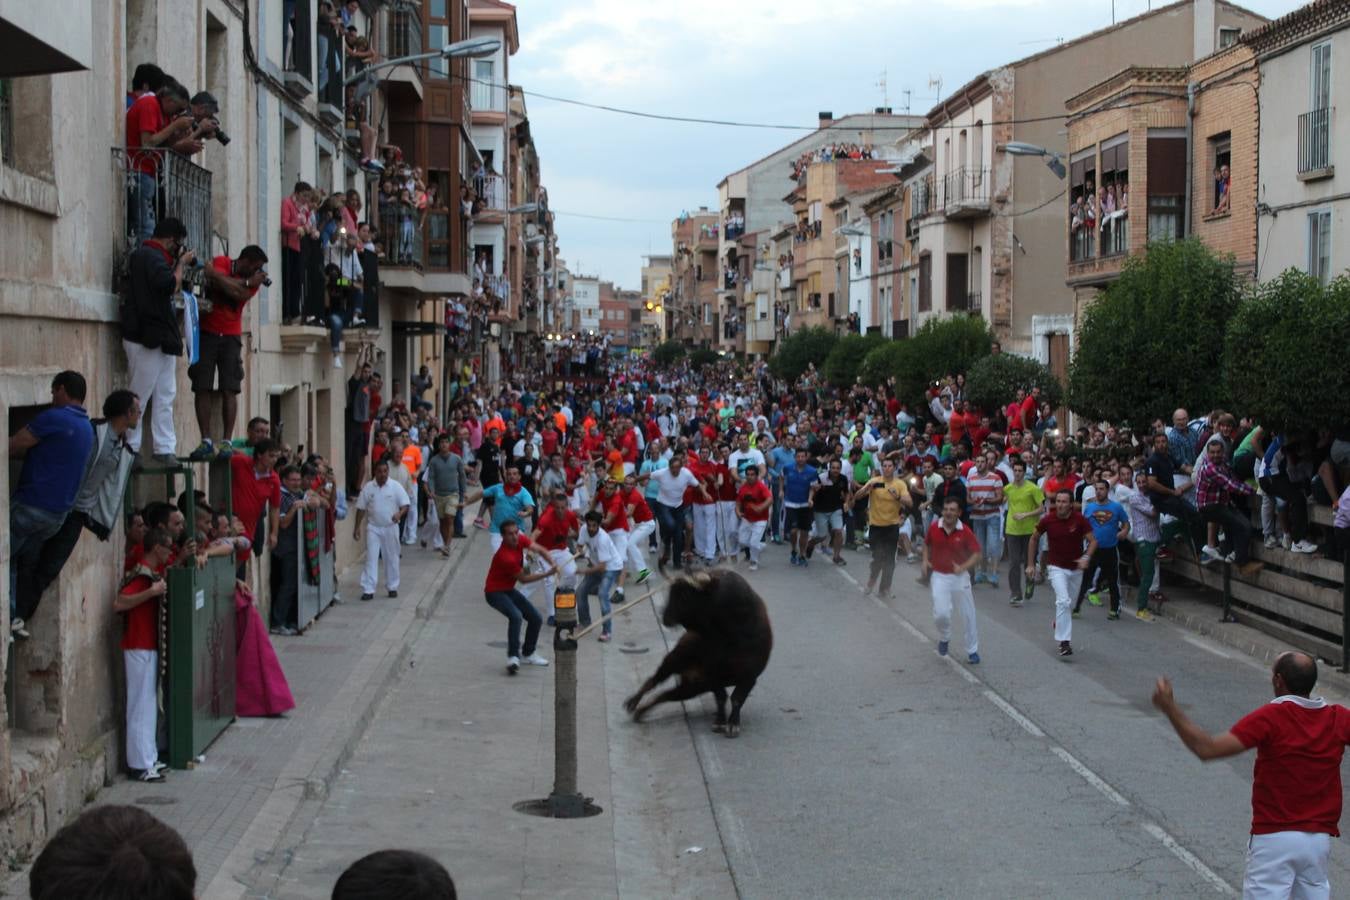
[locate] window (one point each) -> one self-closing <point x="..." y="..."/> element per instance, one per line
<point x="1320" y="77"/>
<point x="1221" y="157"/>
<point x="1164" y="218"/>
<point x="925" y="283"/>
<point x="1319" y="245"/>
<point x="1082" y="204"/>
<point x="977" y="147"/>
<point x="1228" y="36"/>
<point x="1166" y="187"/>
<point x="963" y="148"/>
<point x="484" y="76"/>
<point x="1114" y="197"/>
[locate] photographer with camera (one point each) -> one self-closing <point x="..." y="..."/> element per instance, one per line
<point x="153" y="124"/>
<point x="219" y="370"/>
<point x="343" y="284"/>
<point x="206" y="118"/>
<point x="151" y="335"/>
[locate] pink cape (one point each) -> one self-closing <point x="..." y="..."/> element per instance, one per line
<point x="260" y="685"/>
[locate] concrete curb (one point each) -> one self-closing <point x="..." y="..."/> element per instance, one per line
<point x="262" y="853"/>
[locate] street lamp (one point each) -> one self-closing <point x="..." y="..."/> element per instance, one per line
<point x="1055" y="161"/>
<point x="474" y="47"/>
<point x="523" y="209"/>
<point x="853" y="231"/>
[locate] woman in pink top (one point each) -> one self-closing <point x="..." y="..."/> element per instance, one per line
<point x="294" y="223"/>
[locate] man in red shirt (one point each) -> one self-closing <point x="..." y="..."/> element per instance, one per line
<point x="254" y="486"/>
<point x="556" y="533"/>
<point x="153" y="128"/>
<point x="1067" y="533"/>
<point x="1296" y="783"/>
<point x="613" y="502"/>
<point x="643" y="527"/>
<point x="230" y="284"/>
<point x="139" y="599"/>
<point x="753" y="500"/>
<point x="950" y="551"/>
<point x="506" y="570"/>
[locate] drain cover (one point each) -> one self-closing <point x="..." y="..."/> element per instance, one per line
<point x="155" y="801"/>
<point x="576" y="807"/>
<point x="634" y="649"/>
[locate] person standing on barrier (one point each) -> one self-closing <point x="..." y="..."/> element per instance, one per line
<point x="950" y="551"/>
<point x="1296" y="786"/>
<point x="139" y="598"/>
<point x="1066" y="532"/>
<point x="506" y="570"/>
<point x="382" y="505"/>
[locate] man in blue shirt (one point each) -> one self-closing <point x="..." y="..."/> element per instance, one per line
<point x="777" y="458"/>
<point x="1110" y="523"/>
<point x="508" y="501"/>
<point x="796" y="482"/>
<point x="55" y="447"/>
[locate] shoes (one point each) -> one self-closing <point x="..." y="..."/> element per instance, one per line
<point x="205" y="450"/>
<point x="991" y="580"/>
<point x="393" y="594"/>
<point x="1014" y="601"/>
<point x="1272" y="542"/>
<point x="1209" y="554"/>
<point x="973" y="659"/>
<point x="911" y="559"/>
<point x="840" y="561"/>
<point x="810" y="549"/>
<point x="1094" y="598"/>
<point x="444" y="552"/>
<point x="754" y="567"/>
<point x="152" y="774"/>
<point x="794" y="557"/>
<point x="18" y="629"/>
<point x="1286" y="541"/>
<point x="979" y="578"/>
<point x="642" y="576"/>
<point x="367" y="596"/>
<point x="1077" y="614"/>
<point x="942" y="648"/>
<point x="1156" y="598"/>
<point x="224" y="450"/>
<point x="605" y="637"/>
<point x="1065" y="649"/>
<point x="1113" y="615"/>
<point x="1144" y="615"/>
<point x="165" y="459"/>
<point x="337" y="362"/>
<point x="1303" y="546"/>
<point x="803" y="562"/>
<point x="1029" y="589"/>
<point x="512" y="665"/>
<point x="534" y="659"/>
<point x="1164" y="554"/>
<point x="358" y="322"/>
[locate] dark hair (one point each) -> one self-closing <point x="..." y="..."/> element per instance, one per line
<point x="156" y="513"/>
<point x="157" y="537"/>
<point x="755" y="469"/>
<point x="72" y="383"/>
<point x="255" y="253"/>
<point x="302" y="187"/>
<point x="256" y="419"/>
<point x="115" y="853"/>
<point x="286" y="472"/>
<point x="1065" y="491"/>
<point x="594" y="516"/>
<point x="1018" y="461"/>
<point x="118" y="403"/>
<point x="1299" y="672"/>
<point x="383" y="461"/>
<point x="148" y="76"/>
<point x="404" y="874"/>
<point x="172" y="87"/>
<point x="266" y="445"/>
<point x="952" y="501"/>
<point x="169" y="228"/>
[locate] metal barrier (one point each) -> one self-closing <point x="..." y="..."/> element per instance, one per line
<point x="314" y="596"/>
<point x="199" y="689"/>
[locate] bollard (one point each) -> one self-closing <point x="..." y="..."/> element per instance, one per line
<point x="565" y="802"/>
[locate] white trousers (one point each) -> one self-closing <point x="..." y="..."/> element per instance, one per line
<point x="705" y="529"/>
<point x="621" y="538"/>
<point x="1288" y="865"/>
<point x="1064" y="582"/>
<point x="567" y="573"/>
<point x="430" y="530"/>
<point x="154" y="378"/>
<point x="410" y="522"/>
<point x="949" y="589"/>
<point x="727" y="529"/>
<point x="381" y="540"/>
<point x="142" y="708"/>
<point x="637" y="539"/>
<point x="579" y="500"/>
<point x="751" y="534"/>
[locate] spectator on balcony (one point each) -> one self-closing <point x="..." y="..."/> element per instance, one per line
<point x="153" y="125"/>
<point x="351" y="210"/>
<point x="356" y="118"/>
<point x="147" y="79"/>
<point x="329" y="44"/>
<point x="230" y="284"/>
<point x="1222" y="182"/>
<point x="150" y="331"/>
<point x="296" y="223"/>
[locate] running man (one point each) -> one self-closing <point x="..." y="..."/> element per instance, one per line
<point x="1066" y="531"/>
<point x="950" y="551"/>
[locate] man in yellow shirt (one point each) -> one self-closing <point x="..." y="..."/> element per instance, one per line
<point x="888" y="501"/>
<point x="1026" y="502"/>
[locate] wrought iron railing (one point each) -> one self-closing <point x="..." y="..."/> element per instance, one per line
<point x="157" y="184"/>
<point x="1314" y="140"/>
<point x="966" y="186"/>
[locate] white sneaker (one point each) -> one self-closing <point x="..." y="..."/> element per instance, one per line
<point x="337" y="362"/>
<point x="1303" y="546"/>
<point x="1286" y="541"/>
<point x="534" y="659"/>
<point x="512" y="665"/>
<point x="1209" y="554"/>
<point x="17" y="628"/>
<point x="1272" y="542"/>
<point x="754" y="567"/>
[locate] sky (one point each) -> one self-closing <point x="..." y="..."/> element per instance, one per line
<point x="616" y="181"/>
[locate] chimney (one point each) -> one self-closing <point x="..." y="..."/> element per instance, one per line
<point x="826" y="119"/>
<point x="1203" y="28"/>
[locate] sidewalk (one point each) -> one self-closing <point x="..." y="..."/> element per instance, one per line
<point x="259" y="771"/>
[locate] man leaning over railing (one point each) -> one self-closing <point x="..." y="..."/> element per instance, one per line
<point x="156" y="123"/>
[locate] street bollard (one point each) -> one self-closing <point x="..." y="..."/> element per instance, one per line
<point x="565" y="802"/>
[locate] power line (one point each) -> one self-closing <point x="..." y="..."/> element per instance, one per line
<point x="577" y="215"/>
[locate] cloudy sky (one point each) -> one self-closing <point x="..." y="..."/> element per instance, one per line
<point x="616" y="181"/>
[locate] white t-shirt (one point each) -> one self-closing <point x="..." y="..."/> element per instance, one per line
<point x="381" y="504"/>
<point x="739" y="459"/>
<point x="670" y="487"/>
<point x="600" y="548"/>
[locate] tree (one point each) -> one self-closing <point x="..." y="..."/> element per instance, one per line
<point x="1155" y="339"/>
<point x="993" y="381"/>
<point x="1283" y="359"/>
<point x="800" y="349"/>
<point x="941" y="347"/>
<point x="845" y="361"/>
<point x="667" y="353"/>
<point x="702" y="356"/>
<point x="884" y="362"/>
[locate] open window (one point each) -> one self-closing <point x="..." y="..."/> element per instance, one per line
<point x="1082" y="204"/>
<point x="1221" y="158"/>
<point x="1166" y="187"/>
<point x="1114" y="197"/>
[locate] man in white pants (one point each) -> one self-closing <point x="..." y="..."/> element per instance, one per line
<point x="139" y="599"/>
<point x="753" y="501"/>
<point x="556" y="533"/>
<point x="643" y="526"/>
<point x="612" y="502"/>
<point x="1068" y="549"/>
<point x="950" y="551"/>
<point x="382" y="505"/>
<point x="727" y="525"/>
<point x="704" y="512"/>
<point x="1296" y="792"/>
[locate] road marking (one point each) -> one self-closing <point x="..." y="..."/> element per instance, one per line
<point x="1090" y="776"/>
<point x="712" y="763"/>
<point x="740" y="842"/>
<point x="965" y="673"/>
<point x="1190" y="859"/>
<point x="1205" y="645"/>
<point x="851" y="580"/>
<point x="1027" y="725"/>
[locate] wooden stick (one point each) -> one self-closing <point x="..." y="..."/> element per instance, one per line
<point x="577" y="635"/>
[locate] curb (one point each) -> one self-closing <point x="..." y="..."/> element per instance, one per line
<point x="263" y="853"/>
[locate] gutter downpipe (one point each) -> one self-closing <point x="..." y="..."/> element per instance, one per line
<point x="1190" y="156"/>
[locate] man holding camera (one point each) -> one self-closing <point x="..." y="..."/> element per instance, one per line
<point x="157" y="122"/>
<point x="219" y="370"/>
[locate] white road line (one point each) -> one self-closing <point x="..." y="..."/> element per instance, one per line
<point x="735" y="834"/>
<point x="965" y="673"/>
<point x="1190" y="859"/>
<point x="1090" y="776"/>
<point x="851" y="580"/>
<point x="712" y="763"/>
<point x="1205" y="645"/>
<point x="1027" y="725"/>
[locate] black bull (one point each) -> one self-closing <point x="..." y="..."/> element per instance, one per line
<point x="726" y="643"/>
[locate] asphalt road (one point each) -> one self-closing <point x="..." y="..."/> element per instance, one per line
<point x="869" y="766"/>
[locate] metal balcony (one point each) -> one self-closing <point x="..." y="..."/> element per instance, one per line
<point x="297" y="58"/>
<point x="169" y="186"/>
<point x="965" y="193"/>
<point x="1314" y="144"/>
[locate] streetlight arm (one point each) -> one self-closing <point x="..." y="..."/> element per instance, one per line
<point x="471" y="47"/>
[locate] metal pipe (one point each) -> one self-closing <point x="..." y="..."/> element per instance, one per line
<point x="1190" y="157"/>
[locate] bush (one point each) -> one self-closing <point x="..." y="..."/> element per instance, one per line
<point x="667" y="353"/>
<point x="949" y="346"/>
<point x="845" y="361"/>
<point x="1155" y="339"/>
<point x="884" y="362"/>
<point x="992" y="382"/>
<point x="1284" y="355"/>
<point x="702" y="356"/>
<point x="800" y="349"/>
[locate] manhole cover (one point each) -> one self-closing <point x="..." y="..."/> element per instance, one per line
<point x="155" y="801"/>
<point x="578" y="808"/>
<point x="634" y="649"/>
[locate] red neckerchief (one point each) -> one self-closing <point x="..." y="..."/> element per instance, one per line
<point x="511" y="490"/>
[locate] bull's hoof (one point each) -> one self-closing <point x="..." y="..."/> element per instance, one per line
<point x="719" y="727"/>
<point x="732" y="730"/>
<point x="631" y="703"/>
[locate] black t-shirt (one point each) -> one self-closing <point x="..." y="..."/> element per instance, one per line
<point x="830" y="494"/>
<point x="1159" y="465"/>
<point x="489" y="458"/>
<point x="956" y="488"/>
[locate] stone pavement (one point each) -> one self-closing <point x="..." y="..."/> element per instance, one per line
<point x="260" y="770"/>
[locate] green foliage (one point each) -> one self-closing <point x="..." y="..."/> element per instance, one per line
<point x="667" y="353"/>
<point x="800" y="349"/>
<point x="845" y="361"/>
<point x="1284" y="359"/>
<point x="702" y="356"/>
<point x="948" y="346"/>
<point x="993" y="381"/>
<point x="882" y="363"/>
<point x="1155" y="339"/>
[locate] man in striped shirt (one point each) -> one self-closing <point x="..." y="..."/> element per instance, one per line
<point x="984" y="494"/>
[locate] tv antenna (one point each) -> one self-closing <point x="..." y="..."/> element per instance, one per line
<point x="885" y="95"/>
<point x="906" y="93"/>
<point x="935" y="82"/>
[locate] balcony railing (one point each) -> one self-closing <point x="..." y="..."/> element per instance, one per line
<point x="922" y="198"/>
<point x="158" y="184"/>
<point x="1081" y="244"/>
<point x="965" y="189"/>
<point x="975" y="303"/>
<point x="733" y="228"/>
<point x="1116" y="234"/>
<point x="491" y="189"/>
<point x="297" y="58"/>
<point x="498" y="286"/>
<point x="405" y="33"/>
<point x="1314" y="142"/>
<point x="403" y="242"/>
